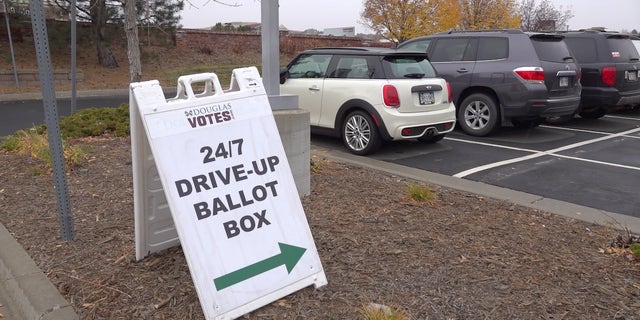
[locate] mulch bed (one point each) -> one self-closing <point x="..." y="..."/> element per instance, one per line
<point x="461" y="256"/>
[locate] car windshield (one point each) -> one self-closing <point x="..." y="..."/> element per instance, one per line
<point x="408" y="67"/>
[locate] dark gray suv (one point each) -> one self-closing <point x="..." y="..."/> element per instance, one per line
<point x="502" y="76"/>
<point x="610" y="67"/>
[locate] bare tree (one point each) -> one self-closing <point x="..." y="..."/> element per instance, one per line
<point x="133" y="44"/>
<point x="99" y="14"/>
<point x="543" y="16"/>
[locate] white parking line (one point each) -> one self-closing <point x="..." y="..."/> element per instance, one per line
<point x="585" y="131"/>
<point x="536" y="154"/>
<point x="574" y="129"/>
<point x="623" y="118"/>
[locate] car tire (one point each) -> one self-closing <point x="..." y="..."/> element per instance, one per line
<point x="360" y="134"/>
<point x="478" y="114"/>
<point x="594" y="113"/>
<point x="430" y="138"/>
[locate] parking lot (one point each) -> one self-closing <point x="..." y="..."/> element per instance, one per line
<point x="594" y="163"/>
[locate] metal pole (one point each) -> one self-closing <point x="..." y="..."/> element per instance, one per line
<point x="13" y="59"/>
<point x="73" y="56"/>
<point x="271" y="57"/>
<point x="45" y="73"/>
<point x="270" y="47"/>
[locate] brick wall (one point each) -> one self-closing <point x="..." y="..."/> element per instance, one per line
<point x="207" y="40"/>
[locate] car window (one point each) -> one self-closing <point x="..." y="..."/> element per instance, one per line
<point x="492" y="48"/>
<point x="636" y="43"/>
<point x="447" y="50"/>
<point x="403" y="67"/>
<point x="622" y="49"/>
<point x="350" y="67"/>
<point x="417" y="45"/>
<point x="309" y="66"/>
<point x="583" y="49"/>
<point x="551" y="49"/>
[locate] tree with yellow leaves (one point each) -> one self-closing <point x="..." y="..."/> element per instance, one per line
<point x="400" y="20"/>
<point x="489" y="14"/>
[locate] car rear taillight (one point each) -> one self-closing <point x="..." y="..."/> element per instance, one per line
<point x="579" y="74"/>
<point x="390" y="96"/>
<point x="608" y="76"/>
<point x="450" y="96"/>
<point x="530" y="73"/>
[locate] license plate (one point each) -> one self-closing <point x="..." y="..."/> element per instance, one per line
<point x="426" y="98"/>
<point x="632" y="76"/>
<point x="564" y="82"/>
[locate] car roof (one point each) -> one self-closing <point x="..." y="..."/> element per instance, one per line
<point x="482" y="31"/>
<point x="364" y="51"/>
<point x="456" y="33"/>
<point x="596" y="31"/>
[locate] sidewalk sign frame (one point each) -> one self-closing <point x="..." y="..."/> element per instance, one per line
<point x="192" y="180"/>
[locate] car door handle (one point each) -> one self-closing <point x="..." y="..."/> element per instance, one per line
<point x="314" y="88"/>
<point x="462" y="70"/>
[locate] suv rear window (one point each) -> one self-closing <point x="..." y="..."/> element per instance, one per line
<point x="551" y="49"/>
<point x="583" y="49"/>
<point x="403" y="67"/>
<point x="622" y="49"/>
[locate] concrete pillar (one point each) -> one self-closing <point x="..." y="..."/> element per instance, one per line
<point x="293" y="126"/>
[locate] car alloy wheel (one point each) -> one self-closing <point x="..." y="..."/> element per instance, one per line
<point x="360" y="134"/>
<point x="478" y="115"/>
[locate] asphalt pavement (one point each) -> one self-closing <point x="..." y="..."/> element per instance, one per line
<point x="27" y="293"/>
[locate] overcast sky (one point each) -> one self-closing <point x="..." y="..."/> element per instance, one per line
<point x="321" y="14"/>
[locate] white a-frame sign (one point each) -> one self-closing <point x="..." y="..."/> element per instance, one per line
<point x="217" y="158"/>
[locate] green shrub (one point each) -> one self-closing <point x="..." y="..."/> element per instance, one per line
<point x="374" y="311"/>
<point x="10" y="143"/>
<point x="36" y="144"/>
<point x="316" y="165"/>
<point x="635" y="250"/>
<point x="84" y="123"/>
<point x="420" y="193"/>
<point x="93" y="122"/>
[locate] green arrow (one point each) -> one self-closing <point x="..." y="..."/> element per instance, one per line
<point x="289" y="256"/>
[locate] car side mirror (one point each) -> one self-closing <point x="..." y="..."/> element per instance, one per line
<point x="284" y="74"/>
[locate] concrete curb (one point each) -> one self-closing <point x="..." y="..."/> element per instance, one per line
<point x="26" y="290"/>
<point x="570" y="210"/>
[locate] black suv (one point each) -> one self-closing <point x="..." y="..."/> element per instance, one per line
<point x="501" y="76"/>
<point x="610" y="70"/>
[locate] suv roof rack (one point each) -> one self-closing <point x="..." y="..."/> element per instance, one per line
<point x="343" y="48"/>
<point x="514" y="31"/>
<point x="592" y="30"/>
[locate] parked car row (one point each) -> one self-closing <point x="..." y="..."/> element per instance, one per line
<point x="481" y="80"/>
<point x="509" y="75"/>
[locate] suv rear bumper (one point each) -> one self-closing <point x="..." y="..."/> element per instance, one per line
<point x="543" y="108"/>
<point x="608" y="97"/>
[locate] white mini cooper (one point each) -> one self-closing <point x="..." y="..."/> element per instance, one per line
<point x="370" y="95"/>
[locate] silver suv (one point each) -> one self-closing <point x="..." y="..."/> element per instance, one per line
<point x="370" y="95"/>
<point x="502" y="76"/>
